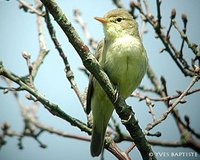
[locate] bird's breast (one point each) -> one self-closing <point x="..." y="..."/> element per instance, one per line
<point x="125" y="63"/>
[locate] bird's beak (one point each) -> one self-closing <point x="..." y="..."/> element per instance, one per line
<point x="102" y="20"/>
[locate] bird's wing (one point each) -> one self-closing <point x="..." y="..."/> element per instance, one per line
<point x="99" y="50"/>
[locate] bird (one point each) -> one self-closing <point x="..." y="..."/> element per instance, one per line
<point x="123" y="57"/>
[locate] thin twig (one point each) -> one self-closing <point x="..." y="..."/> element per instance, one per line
<point x="143" y="29"/>
<point x="164" y="115"/>
<point x="172" y="18"/>
<point x="113" y="148"/>
<point x="30" y="7"/>
<point x="130" y="148"/>
<point x="187" y="142"/>
<point x="43" y="51"/>
<point x="151" y="110"/>
<point x="51" y="107"/>
<point x="166" y="42"/>
<point x="167" y="98"/>
<point x="68" y="70"/>
<point x="192" y="46"/>
<point x="158" y="3"/>
<point x="27" y="57"/>
<point x="147" y="8"/>
<point x="30" y="119"/>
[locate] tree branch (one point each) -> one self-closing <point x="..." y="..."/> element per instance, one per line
<point x="124" y="111"/>
<point x="68" y="70"/>
<point x="169" y="110"/>
<point x="51" y="107"/>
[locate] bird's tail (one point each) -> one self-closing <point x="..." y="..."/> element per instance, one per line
<point x="97" y="143"/>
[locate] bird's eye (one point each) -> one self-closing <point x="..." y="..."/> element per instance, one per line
<point x="119" y="19"/>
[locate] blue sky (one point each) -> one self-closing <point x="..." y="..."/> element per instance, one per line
<point x="18" y="32"/>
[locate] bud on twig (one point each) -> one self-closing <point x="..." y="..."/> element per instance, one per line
<point x="5" y="127"/>
<point x="162" y="50"/>
<point x="158" y="134"/>
<point x="30" y="97"/>
<point x="132" y="4"/>
<point x="5" y="91"/>
<point x="26" y="55"/>
<point x="43" y="145"/>
<point x="187" y="119"/>
<point x="184" y="19"/>
<point x="173" y="13"/>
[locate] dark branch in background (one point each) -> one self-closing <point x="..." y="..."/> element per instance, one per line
<point x="68" y="71"/>
<point x="167" y="98"/>
<point x="192" y="46"/>
<point x="51" y="107"/>
<point x="158" y="3"/>
<point x="173" y="15"/>
<point x="165" y="39"/>
<point x="85" y="71"/>
<point x="184" y="18"/>
<point x="183" y="129"/>
<point x="164" y="116"/>
<point x="33" y="128"/>
<point x="125" y="112"/>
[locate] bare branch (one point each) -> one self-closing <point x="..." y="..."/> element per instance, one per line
<point x="164" y="116"/>
<point x="112" y="147"/>
<point x="167" y="98"/>
<point x="42" y="45"/>
<point x="158" y="3"/>
<point x="26" y="6"/>
<point x="124" y="111"/>
<point x="169" y="47"/>
<point x="192" y="46"/>
<point x="151" y="110"/>
<point x="51" y="107"/>
<point x="68" y="70"/>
